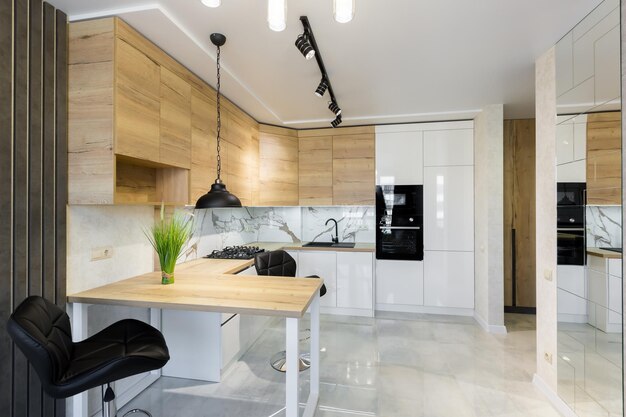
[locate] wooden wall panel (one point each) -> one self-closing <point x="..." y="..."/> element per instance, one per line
<point x="604" y="158"/>
<point x="33" y="190"/>
<point x="519" y="212"/>
<point x="6" y="202"/>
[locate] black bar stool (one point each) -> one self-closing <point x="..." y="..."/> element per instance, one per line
<point x="280" y="263"/>
<point x="41" y="330"/>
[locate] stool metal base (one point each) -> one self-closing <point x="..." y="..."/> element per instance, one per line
<point x="137" y="410"/>
<point x="279" y="362"/>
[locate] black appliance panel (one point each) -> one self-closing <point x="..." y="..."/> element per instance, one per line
<point x="571" y="247"/>
<point x="570" y="193"/>
<point x="400" y="222"/>
<point x="399" y="205"/>
<point x="570" y="217"/>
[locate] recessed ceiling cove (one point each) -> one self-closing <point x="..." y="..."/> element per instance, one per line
<point x="400" y="61"/>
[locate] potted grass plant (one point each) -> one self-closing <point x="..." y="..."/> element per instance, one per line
<point x="168" y="238"/>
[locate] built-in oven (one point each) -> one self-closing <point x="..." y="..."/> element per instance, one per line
<point x="570" y="223"/>
<point x="571" y="247"/>
<point x="400" y="222"/>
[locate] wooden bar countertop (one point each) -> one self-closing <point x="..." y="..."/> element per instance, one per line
<point x="603" y="253"/>
<point x="210" y="285"/>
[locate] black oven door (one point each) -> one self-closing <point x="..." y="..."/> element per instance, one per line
<point x="570" y="193"/>
<point x="571" y="247"/>
<point x="400" y="243"/>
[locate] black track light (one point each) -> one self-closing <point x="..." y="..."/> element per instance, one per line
<point x="332" y="106"/>
<point x="304" y="46"/>
<point x="321" y="88"/>
<point x="336" y="122"/>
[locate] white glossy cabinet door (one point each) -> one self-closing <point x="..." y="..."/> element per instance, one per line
<point x="449" y="208"/>
<point x="399" y="158"/>
<point x="355" y="280"/>
<point x="571" y="294"/>
<point x="449" y="279"/>
<point x="400" y="282"/>
<point x="564" y="143"/>
<point x="449" y="147"/>
<point x="324" y="265"/>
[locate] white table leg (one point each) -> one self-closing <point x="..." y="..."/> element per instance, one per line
<point x="311" y="404"/>
<point x="293" y="368"/>
<point x="79" y="332"/>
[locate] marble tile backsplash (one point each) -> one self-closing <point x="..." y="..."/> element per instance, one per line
<point x="604" y="226"/>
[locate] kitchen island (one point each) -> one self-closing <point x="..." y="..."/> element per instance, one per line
<point x="211" y="286"/>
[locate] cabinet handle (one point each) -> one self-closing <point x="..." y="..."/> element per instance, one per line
<point x="401" y="227"/>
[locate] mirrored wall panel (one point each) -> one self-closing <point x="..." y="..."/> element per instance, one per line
<point x="589" y="215"/>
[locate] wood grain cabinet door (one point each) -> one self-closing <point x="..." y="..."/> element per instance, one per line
<point x="136" y="104"/>
<point x="175" y="124"/>
<point x="354" y="169"/>
<point x="604" y="159"/>
<point x="203" y="147"/>
<point x="278" y="170"/>
<point x="316" y="171"/>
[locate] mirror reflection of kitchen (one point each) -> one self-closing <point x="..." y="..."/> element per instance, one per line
<point x="589" y="215"/>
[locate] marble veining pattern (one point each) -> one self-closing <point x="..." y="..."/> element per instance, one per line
<point x="604" y="226"/>
<point x="356" y="224"/>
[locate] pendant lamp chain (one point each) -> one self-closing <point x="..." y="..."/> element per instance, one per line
<point x="219" y="117"/>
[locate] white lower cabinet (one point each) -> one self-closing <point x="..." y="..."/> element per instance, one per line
<point x="604" y="281"/>
<point x="219" y="339"/>
<point x="399" y="283"/>
<point x="348" y="276"/>
<point x="449" y="279"/>
<point x="355" y="280"/>
<point x="322" y="264"/>
<point x="571" y="293"/>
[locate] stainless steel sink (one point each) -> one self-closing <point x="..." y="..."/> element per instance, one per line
<point x="328" y="245"/>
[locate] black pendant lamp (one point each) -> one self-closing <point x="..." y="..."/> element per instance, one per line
<point x="218" y="195"/>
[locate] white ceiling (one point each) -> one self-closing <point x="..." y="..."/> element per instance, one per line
<point x="397" y="61"/>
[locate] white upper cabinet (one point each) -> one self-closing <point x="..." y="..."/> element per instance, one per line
<point x="449" y="147"/>
<point x="399" y="158"/>
<point x="449" y="208"/>
<point x="571" y="148"/>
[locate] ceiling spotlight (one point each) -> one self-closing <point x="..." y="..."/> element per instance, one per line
<point x="304" y="46"/>
<point x="332" y="106"/>
<point x="343" y="10"/>
<point x="336" y="122"/>
<point x="321" y="88"/>
<point x="212" y="3"/>
<point x="277" y="14"/>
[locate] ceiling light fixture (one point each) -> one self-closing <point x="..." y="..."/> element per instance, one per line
<point x="343" y="10"/>
<point x="321" y="88"/>
<point x="332" y="106"/>
<point x="304" y="46"/>
<point x="218" y="196"/>
<point x="212" y="3"/>
<point x="277" y="15"/>
<point x="324" y="84"/>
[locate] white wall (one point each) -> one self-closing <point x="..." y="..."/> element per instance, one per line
<point x="545" y="186"/>
<point x="488" y="220"/>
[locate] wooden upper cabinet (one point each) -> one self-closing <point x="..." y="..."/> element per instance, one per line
<point x="354" y="169"/>
<point x="278" y="167"/>
<point x="316" y="171"/>
<point x="175" y="125"/>
<point x="604" y="158"/>
<point x="203" y="149"/>
<point x="137" y="103"/>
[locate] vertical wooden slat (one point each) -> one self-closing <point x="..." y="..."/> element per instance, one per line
<point x="61" y="166"/>
<point x="20" y="193"/>
<point x="49" y="155"/>
<point x="34" y="182"/>
<point x="6" y="201"/>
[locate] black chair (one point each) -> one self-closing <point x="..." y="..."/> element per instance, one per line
<point x="280" y="263"/>
<point x="41" y="330"/>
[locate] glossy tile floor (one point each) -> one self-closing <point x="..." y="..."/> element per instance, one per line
<point x="391" y="366"/>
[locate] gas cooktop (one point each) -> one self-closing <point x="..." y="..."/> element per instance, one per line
<point x="235" y="252"/>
